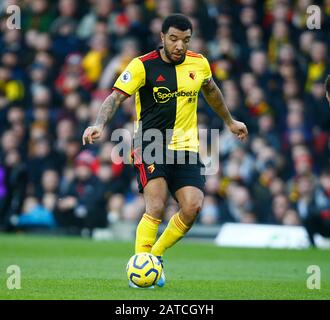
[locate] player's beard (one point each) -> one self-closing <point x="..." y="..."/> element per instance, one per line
<point x="168" y="56"/>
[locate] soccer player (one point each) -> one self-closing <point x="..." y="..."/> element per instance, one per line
<point x="327" y="88"/>
<point x="166" y="82"/>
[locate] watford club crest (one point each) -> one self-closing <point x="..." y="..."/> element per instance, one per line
<point x="192" y="75"/>
<point x="151" y="168"/>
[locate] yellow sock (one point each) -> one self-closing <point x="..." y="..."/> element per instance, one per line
<point x="174" y="231"/>
<point x="146" y="233"/>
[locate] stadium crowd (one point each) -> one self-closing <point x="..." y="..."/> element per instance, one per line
<point x="58" y="68"/>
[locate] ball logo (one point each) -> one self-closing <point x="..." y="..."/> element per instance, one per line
<point x="126" y="77"/>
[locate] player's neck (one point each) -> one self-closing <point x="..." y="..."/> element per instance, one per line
<point x="163" y="55"/>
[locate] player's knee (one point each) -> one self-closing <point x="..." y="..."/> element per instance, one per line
<point x="190" y="209"/>
<point x="155" y="208"/>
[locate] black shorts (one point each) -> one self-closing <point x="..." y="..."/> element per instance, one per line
<point x="176" y="174"/>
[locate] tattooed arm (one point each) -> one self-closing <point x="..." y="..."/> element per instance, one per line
<point x="216" y="101"/>
<point x="105" y="114"/>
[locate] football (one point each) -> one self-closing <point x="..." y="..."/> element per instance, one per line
<point x="144" y="269"/>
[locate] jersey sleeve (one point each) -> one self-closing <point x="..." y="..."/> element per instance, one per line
<point x="207" y="72"/>
<point x="132" y="78"/>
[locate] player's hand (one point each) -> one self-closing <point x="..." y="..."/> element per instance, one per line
<point x="238" y="129"/>
<point x="91" y="134"/>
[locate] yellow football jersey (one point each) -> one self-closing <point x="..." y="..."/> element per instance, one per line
<point x="167" y="95"/>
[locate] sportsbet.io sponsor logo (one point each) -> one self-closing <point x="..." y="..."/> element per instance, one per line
<point x="163" y="94"/>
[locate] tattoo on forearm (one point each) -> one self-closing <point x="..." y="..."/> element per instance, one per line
<point x="108" y="108"/>
<point x="216" y="101"/>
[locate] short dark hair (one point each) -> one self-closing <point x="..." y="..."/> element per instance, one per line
<point x="178" y="21"/>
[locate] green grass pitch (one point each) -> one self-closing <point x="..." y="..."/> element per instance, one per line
<point x="74" y="268"/>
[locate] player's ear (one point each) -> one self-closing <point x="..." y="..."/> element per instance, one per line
<point x="162" y="36"/>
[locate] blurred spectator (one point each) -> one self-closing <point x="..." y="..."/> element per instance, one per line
<point x="63" y="29"/>
<point x="305" y="186"/>
<point x="163" y="8"/>
<point x="197" y="10"/>
<point x="42" y="157"/>
<point x="65" y="132"/>
<point x="256" y="103"/>
<point x="82" y="204"/>
<point x="259" y="65"/>
<point x="13" y="175"/>
<point x="72" y="75"/>
<point x="8" y="143"/>
<point x="239" y="206"/>
<point x="49" y="183"/>
<point x="306" y="40"/>
<point x="66" y="9"/>
<point x="10" y="89"/>
<point x="254" y="41"/>
<point x="11" y="40"/>
<point x="316" y="106"/>
<point x="280" y="37"/>
<point x="317" y="220"/>
<point x="135" y="207"/>
<point x="129" y="50"/>
<point x="262" y="190"/>
<point x="38" y="16"/>
<point x="112" y="174"/>
<point x="317" y="68"/>
<point x="247" y="16"/>
<point x="34" y="216"/>
<point x="100" y="9"/>
<point x="156" y="28"/>
<point x="241" y="161"/>
<point x="136" y="24"/>
<point x="209" y="214"/>
<point x="71" y="148"/>
<point x="268" y="131"/>
<point x="299" y="13"/>
<point x="280" y="206"/>
<point x="93" y="61"/>
<point x="115" y="206"/>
